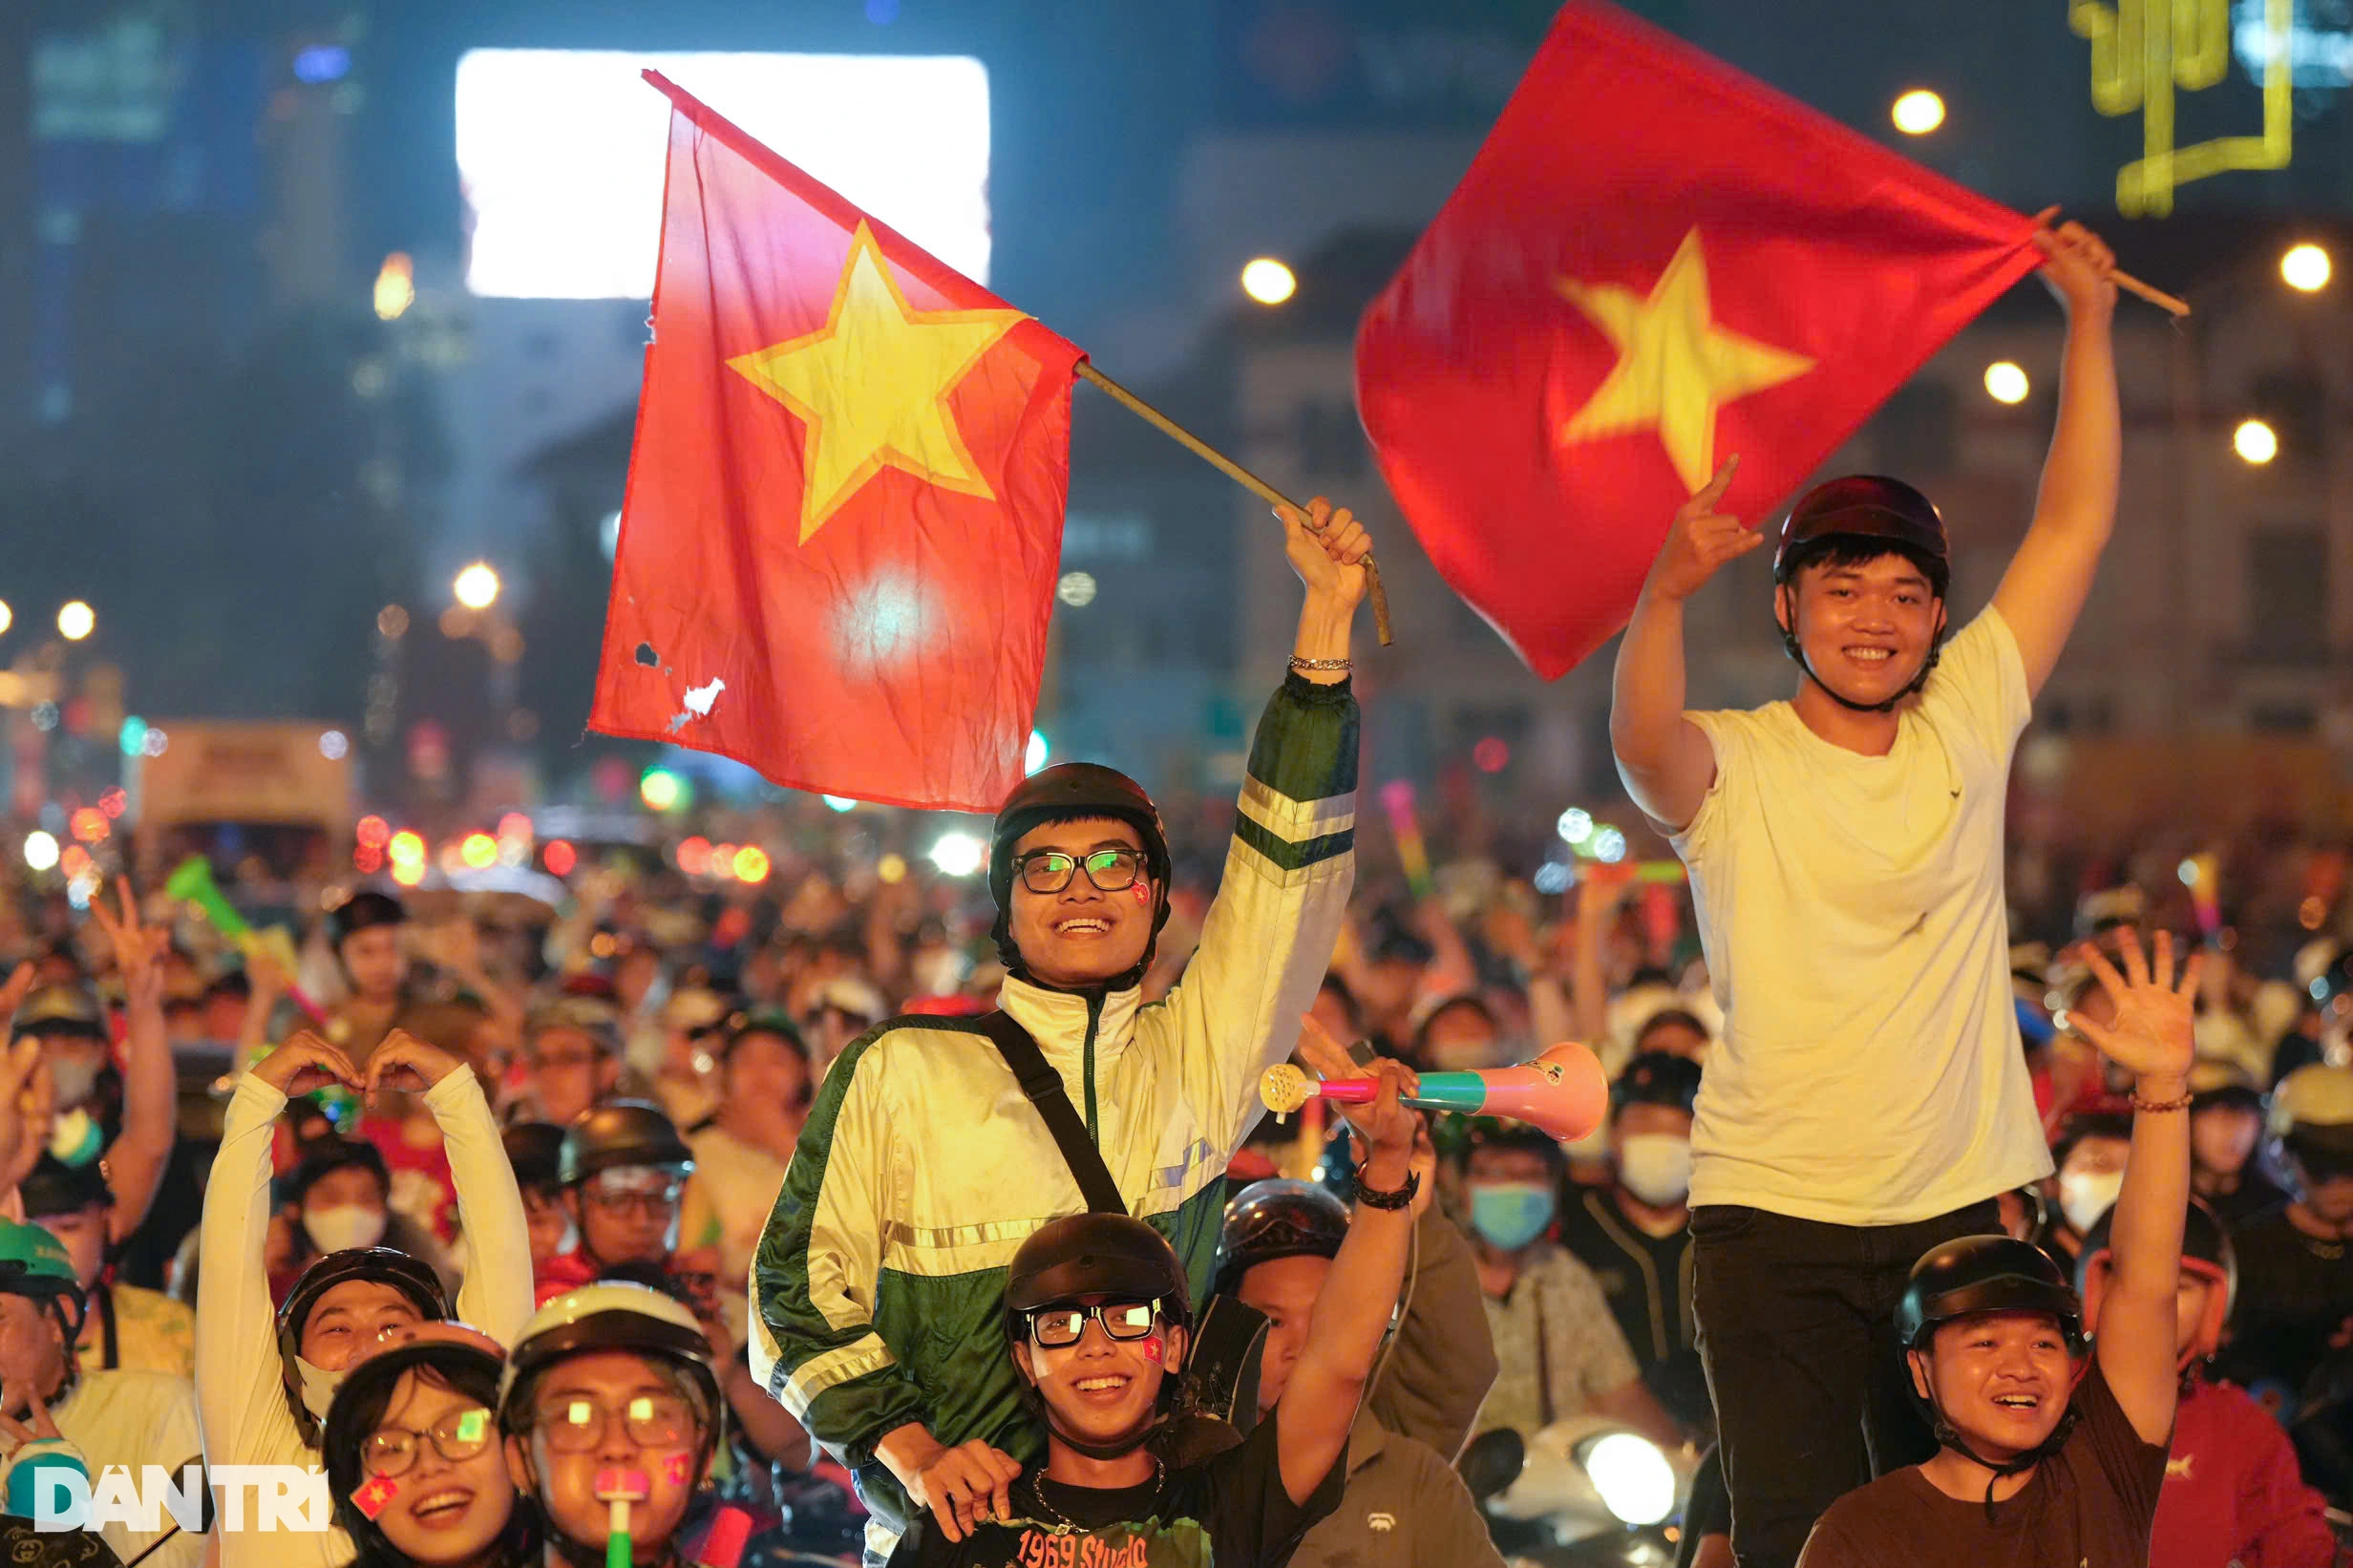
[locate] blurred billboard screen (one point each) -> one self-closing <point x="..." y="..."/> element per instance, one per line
<point x="560" y="155"/>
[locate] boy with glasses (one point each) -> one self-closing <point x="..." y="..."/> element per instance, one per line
<point x="878" y="1284"/>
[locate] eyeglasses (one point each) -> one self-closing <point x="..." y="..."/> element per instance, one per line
<point x="1058" y="1328"/>
<point x="459" y="1435"/>
<point x="651" y="1421"/>
<point x="649" y="1202"/>
<point x="1050" y="870"/>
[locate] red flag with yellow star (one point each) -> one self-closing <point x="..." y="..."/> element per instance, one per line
<point x="844" y="511"/>
<point x="1653" y="262"/>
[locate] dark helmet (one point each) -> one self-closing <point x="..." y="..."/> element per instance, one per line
<point x="463" y="1357"/>
<point x="1093" y="1255"/>
<point x="534" y="1151"/>
<point x="54" y="1187"/>
<point x="33" y="1263"/>
<point x="620" y="1134"/>
<point x="2205" y="1249"/>
<point x="410" y="1277"/>
<point x="1984" y="1273"/>
<point x="1278" y="1219"/>
<point x="1864" y="509"/>
<point x="360" y="911"/>
<point x="2312" y="1122"/>
<point x="1065" y="792"/>
<point x="1657" y="1077"/>
<point x="60" y="1009"/>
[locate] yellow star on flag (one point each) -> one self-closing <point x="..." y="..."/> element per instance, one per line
<point x="1675" y="365"/>
<point x="871" y="386"/>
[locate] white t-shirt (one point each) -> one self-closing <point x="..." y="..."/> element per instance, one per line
<point x="1852" y="910"/>
<point x="135" y="1419"/>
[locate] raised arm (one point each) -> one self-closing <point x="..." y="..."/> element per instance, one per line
<point x="1663" y="757"/>
<point x="2150" y="1036"/>
<point x="2075" y="506"/>
<point x="1352" y="1311"/>
<point x="495" y="1296"/>
<point x="135" y="1160"/>
<point x="240" y="1398"/>
<point x="1269" y="934"/>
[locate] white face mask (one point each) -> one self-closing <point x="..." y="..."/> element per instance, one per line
<point x="342" y="1225"/>
<point x="319" y="1386"/>
<point x="74" y="1078"/>
<point x="1656" y="1167"/>
<point x="2084" y="1196"/>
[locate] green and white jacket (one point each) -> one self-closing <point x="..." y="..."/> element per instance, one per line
<point x="878" y="1289"/>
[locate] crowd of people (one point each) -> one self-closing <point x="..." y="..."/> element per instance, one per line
<point x="908" y="1220"/>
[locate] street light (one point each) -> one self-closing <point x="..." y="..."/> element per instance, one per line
<point x="2254" y="441"/>
<point x="8" y="616"/>
<point x="75" y="620"/>
<point x="2305" y="268"/>
<point x="2006" y="382"/>
<point x="477" y="587"/>
<point x="1268" y="280"/>
<point x="1917" y="113"/>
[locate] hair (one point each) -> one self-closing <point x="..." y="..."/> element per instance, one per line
<point x="323" y="1156"/>
<point x="2089" y="1124"/>
<point x="1452" y="1004"/>
<point x="1514" y="1138"/>
<point x="1335" y="986"/>
<point x="1669" y="1015"/>
<point x="517" y="1546"/>
<point x="1856" y="550"/>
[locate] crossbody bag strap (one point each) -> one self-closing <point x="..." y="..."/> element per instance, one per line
<point x="1044" y="1086"/>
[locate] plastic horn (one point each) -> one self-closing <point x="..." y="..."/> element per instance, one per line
<point x="192" y="884"/>
<point x="619" y="1489"/>
<point x="1562" y="1093"/>
<point x="1406" y="823"/>
<point x="1649" y="873"/>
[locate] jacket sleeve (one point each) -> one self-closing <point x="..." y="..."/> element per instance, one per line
<point x="1269" y="934"/>
<point x="240" y="1395"/>
<point x="2288" y="1519"/>
<point x="1444" y="1360"/>
<point x="814" y="1277"/>
<point x="495" y="1296"/>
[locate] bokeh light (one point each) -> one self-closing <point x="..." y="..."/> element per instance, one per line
<point x="752" y="864"/>
<point x="40" y="850"/>
<point x="2006" y="382"/>
<point x="661" y="790"/>
<point x="1917" y="113"/>
<point x="959" y="854"/>
<point x="2305" y="268"/>
<point x="477" y="587"/>
<point x="560" y="858"/>
<point x="75" y="620"/>
<point x="2254" y="441"/>
<point x="480" y="851"/>
<point x="1268" y="280"/>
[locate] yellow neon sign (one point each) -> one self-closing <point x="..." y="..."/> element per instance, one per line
<point x="2142" y="51"/>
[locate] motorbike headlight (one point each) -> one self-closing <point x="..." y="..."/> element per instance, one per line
<point x="1631" y="1473"/>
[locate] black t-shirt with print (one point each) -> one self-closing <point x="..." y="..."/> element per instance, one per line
<point x="1231" y="1511"/>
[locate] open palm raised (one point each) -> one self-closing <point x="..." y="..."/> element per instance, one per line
<point x="2152" y="1032"/>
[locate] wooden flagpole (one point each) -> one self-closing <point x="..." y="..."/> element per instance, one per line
<point x="1234" y="472"/>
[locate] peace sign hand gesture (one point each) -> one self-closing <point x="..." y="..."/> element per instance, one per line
<point x="139" y="949"/>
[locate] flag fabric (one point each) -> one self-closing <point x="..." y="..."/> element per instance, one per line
<point x="1653" y="262"/>
<point x="843" y="518"/>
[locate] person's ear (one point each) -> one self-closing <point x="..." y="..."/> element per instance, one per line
<point x="1785" y="604"/>
<point x="1021" y="1360"/>
<point x="1180" y="1345"/>
<point x="519" y="1466"/>
<point x="1918" y="1361"/>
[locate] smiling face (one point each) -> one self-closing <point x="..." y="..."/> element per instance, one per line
<point x="1866" y="628"/>
<point x="442" y="1511"/>
<point x="1081" y="936"/>
<point x="1103" y="1389"/>
<point x="354" y="1321"/>
<point x="610" y="1409"/>
<point x="2002" y="1379"/>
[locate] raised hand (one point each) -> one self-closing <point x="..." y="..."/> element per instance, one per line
<point x="19" y="986"/>
<point x="1328" y="549"/>
<point x="2152" y="1035"/>
<point x="2077" y="267"/>
<point x="1328" y="1059"/>
<point x="1700" y="540"/>
<point x="404" y="1062"/>
<point x="139" y="950"/>
<point x="25" y="1105"/>
<point x="304" y="1065"/>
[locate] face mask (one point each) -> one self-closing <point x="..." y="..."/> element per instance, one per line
<point x="319" y="1387"/>
<point x="74" y="1139"/>
<point x="344" y="1225"/>
<point x="1656" y="1167"/>
<point x="75" y="1077"/>
<point x="1511" y="1214"/>
<point x="2084" y="1196"/>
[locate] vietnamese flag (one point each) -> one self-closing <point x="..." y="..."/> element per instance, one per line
<point x="844" y="511"/>
<point x="1653" y="262"/>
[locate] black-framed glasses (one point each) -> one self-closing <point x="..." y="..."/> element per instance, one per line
<point x="652" y="1421"/>
<point x="1058" y="1328"/>
<point x="1050" y="870"/>
<point x="458" y="1436"/>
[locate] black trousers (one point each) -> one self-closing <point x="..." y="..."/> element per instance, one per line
<point x="1797" y="1331"/>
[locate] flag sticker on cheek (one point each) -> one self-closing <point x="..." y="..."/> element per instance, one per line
<point x="674" y="1470"/>
<point x="1141" y="893"/>
<point x="372" y="1498"/>
<point x="1152" y="1350"/>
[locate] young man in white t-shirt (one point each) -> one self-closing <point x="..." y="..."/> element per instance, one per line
<point x="1870" y="1094"/>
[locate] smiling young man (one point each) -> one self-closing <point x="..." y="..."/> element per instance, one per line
<point x="1869" y="1097"/>
<point x="878" y="1284"/>
<point x="2043" y="1459"/>
<point x="1098" y="1311"/>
